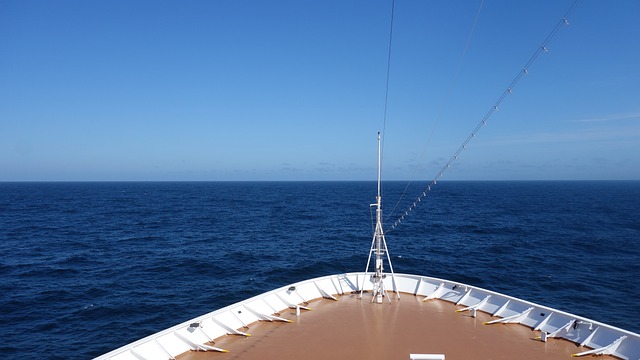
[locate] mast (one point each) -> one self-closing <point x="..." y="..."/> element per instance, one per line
<point x="379" y="247"/>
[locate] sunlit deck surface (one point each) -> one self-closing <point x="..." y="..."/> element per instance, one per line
<point x="357" y="329"/>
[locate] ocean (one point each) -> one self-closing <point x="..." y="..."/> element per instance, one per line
<point x="87" y="267"/>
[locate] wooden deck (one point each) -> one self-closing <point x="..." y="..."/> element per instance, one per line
<point x="357" y="329"/>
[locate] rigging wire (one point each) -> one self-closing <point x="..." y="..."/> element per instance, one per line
<point x="444" y="105"/>
<point x="372" y="220"/>
<point x="386" y="86"/>
<point x="525" y="70"/>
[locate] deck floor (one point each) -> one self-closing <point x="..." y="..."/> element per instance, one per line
<point x="357" y="329"/>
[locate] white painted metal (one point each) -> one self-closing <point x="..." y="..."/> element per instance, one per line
<point x="605" y="350"/>
<point x="183" y="337"/>
<point x="426" y="356"/>
<point x="517" y="318"/>
<point x="379" y="248"/>
<point x="475" y="307"/>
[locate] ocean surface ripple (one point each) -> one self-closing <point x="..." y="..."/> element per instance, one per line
<point x="89" y="267"/>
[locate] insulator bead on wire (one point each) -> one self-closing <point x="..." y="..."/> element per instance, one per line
<point x="525" y="71"/>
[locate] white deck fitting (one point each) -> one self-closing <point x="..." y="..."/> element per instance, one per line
<point x="596" y="338"/>
<point x="605" y="350"/>
<point x="426" y="356"/>
<point x="513" y="319"/>
<point x="477" y="306"/>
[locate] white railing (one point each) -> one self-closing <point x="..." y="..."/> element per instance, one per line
<point x="194" y="334"/>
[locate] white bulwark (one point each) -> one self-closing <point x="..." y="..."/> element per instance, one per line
<point x="197" y="333"/>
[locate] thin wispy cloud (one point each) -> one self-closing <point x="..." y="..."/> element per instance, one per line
<point x="589" y="135"/>
<point x="610" y="117"/>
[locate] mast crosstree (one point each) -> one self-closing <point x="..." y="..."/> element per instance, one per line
<point x="379" y="248"/>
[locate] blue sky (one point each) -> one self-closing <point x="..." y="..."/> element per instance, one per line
<point x="294" y="90"/>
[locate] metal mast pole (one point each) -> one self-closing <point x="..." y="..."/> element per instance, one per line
<point x="379" y="246"/>
<point x="378" y="285"/>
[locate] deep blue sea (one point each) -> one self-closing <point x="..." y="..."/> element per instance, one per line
<point x="88" y="267"/>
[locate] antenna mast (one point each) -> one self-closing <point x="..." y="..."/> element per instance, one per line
<point x="379" y="248"/>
